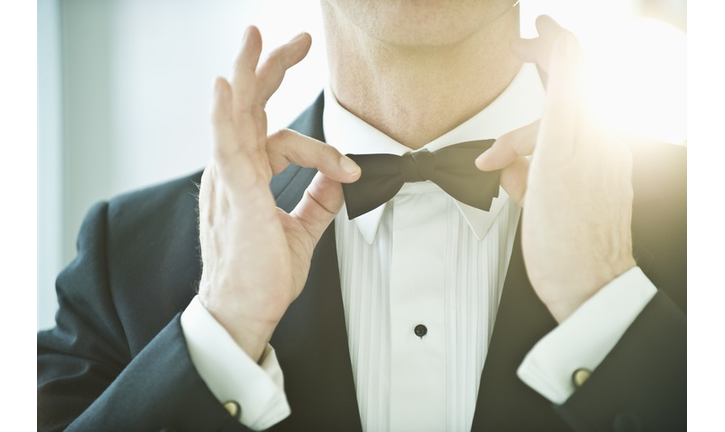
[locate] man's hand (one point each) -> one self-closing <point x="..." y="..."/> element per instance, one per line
<point x="576" y="190"/>
<point x="255" y="256"/>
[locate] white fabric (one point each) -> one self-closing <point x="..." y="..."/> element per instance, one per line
<point x="418" y="260"/>
<point x="224" y="366"/>
<point x="586" y="337"/>
<point x="423" y="258"/>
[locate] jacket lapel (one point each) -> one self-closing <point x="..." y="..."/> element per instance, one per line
<point x="311" y="340"/>
<point x="312" y="346"/>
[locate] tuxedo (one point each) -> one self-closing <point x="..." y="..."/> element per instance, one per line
<point x="117" y="358"/>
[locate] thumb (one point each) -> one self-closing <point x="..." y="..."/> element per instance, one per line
<point x="509" y="147"/>
<point x="514" y="179"/>
<point x="319" y="205"/>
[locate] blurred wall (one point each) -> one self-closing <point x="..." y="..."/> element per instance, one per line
<point x="50" y="159"/>
<point x="123" y="97"/>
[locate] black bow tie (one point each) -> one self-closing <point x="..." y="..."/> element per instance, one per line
<point x="452" y="168"/>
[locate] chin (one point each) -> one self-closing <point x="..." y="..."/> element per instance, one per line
<point x="421" y="22"/>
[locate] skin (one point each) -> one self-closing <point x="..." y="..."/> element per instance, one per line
<point x="430" y="66"/>
<point x="576" y="191"/>
<point x="416" y="70"/>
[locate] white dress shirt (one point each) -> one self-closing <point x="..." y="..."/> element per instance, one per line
<point x="424" y="259"/>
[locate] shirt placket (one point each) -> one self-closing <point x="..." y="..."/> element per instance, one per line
<point x="417" y="334"/>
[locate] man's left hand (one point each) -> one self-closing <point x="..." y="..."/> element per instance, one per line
<point x="576" y="190"/>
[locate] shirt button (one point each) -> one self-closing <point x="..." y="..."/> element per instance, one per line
<point x="421" y="330"/>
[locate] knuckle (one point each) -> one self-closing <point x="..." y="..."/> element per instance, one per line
<point x="239" y="64"/>
<point x="276" y="141"/>
<point x="318" y="151"/>
<point x="275" y="56"/>
<point x="278" y="59"/>
<point x="523" y="147"/>
<point x="329" y="151"/>
<point x="281" y="135"/>
<point x="217" y="117"/>
<point x="285" y="134"/>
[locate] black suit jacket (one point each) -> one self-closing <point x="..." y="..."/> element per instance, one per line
<point x="117" y="359"/>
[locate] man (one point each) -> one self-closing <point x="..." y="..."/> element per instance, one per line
<point x="418" y="313"/>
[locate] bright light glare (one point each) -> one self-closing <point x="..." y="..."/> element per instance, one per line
<point x="638" y="79"/>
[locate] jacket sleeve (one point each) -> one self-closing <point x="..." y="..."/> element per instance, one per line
<point x="642" y="384"/>
<point x="87" y="378"/>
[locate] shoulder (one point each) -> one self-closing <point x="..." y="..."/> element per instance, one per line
<point x="170" y="201"/>
<point x="152" y="255"/>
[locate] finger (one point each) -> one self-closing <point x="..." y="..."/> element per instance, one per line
<point x="548" y="28"/>
<point x="244" y="78"/>
<point x="271" y="73"/>
<point x="539" y="50"/>
<point x="564" y="101"/>
<point x="287" y="146"/>
<point x="509" y="147"/>
<point x="223" y="130"/>
<point x="319" y="205"/>
<point x="514" y="179"/>
<point x="535" y="50"/>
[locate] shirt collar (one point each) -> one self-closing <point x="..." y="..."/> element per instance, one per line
<point x="520" y="104"/>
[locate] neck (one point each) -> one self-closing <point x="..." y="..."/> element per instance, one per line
<point x="415" y="94"/>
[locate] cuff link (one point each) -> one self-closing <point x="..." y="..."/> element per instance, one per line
<point x="580" y="376"/>
<point x="234" y="409"/>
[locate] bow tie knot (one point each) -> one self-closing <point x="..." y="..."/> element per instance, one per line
<point x="452" y="168"/>
<point x="417" y="167"/>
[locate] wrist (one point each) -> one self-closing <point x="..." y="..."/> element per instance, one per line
<point x="564" y="307"/>
<point x="251" y="335"/>
<point x="252" y="341"/>
<point x="563" y="298"/>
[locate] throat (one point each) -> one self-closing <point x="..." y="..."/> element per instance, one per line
<point x="414" y="112"/>
<point x="416" y="94"/>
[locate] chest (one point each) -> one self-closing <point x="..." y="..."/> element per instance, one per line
<point x="420" y="284"/>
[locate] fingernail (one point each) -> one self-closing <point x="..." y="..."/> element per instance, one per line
<point x="349" y="165"/>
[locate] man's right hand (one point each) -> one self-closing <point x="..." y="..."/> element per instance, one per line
<point x="256" y="257"/>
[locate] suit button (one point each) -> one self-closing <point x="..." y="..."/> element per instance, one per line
<point x="580" y="376"/>
<point x="234" y="409"/>
<point x="421" y="330"/>
<point x="627" y="422"/>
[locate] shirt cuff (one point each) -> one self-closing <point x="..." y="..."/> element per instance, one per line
<point x="585" y="338"/>
<point x="231" y="374"/>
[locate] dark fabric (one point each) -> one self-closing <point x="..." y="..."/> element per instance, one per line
<point x="117" y="360"/>
<point x="634" y="364"/>
<point x="452" y="168"/>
